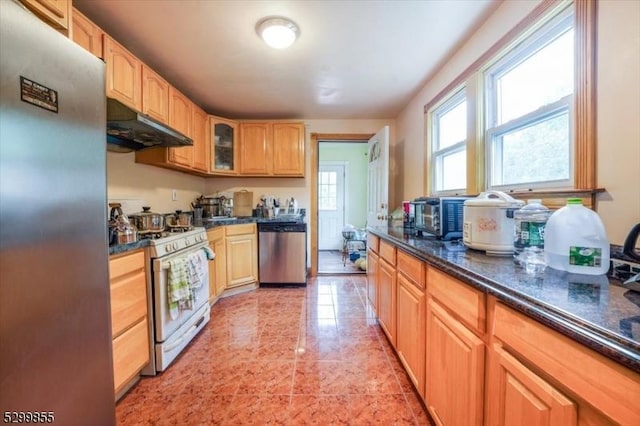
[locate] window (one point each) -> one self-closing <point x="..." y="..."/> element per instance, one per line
<point x="327" y="191"/>
<point x="449" y="144"/>
<point x="530" y="102"/>
<point x="529" y="119"/>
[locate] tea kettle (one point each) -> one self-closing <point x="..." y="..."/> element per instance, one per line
<point x="631" y="242"/>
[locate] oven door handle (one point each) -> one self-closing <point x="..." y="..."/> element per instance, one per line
<point x="186" y="334"/>
<point x="165" y="265"/>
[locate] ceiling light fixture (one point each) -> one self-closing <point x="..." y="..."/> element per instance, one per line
<point x="278" y="32"/>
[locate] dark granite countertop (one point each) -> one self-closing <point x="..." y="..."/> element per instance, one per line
<point x="596" y="311"/>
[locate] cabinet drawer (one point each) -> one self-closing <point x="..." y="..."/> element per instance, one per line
<point x="464" y="301"/>
<point x="125" y="264"/>
<point x="215" y="233"/>
<point x="128" y="301"/>
<point x="130" y="354"/>
<point x="412" y="268"/>
<point x="388" y="252"/>
<point x="245" y="228"/>
<point x="607" y="386"/>
<point x="373" y="242"/>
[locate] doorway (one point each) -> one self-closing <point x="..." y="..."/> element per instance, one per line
<point x="328" y="153"/>
<point x="332" y="196"/>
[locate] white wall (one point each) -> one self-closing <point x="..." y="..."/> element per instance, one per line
<point x="140" y="184"/>
<point x="619" y="116"/>
<point x="618" y="108"/>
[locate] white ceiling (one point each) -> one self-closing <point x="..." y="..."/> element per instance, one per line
<point x="353" y="59"/>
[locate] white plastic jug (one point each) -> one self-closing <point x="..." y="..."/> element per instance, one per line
<point x="575" y="240"/>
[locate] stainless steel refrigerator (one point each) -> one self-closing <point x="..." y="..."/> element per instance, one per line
<point x="55" y="327"/>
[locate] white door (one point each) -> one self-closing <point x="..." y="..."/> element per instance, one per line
<point x="331" y="204"/>
<point x="378" y="181"/>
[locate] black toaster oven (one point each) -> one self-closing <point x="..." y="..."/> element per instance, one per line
<point x="439" y="216"/>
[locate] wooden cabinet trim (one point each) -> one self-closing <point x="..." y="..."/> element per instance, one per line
<point x="372" y="280"/>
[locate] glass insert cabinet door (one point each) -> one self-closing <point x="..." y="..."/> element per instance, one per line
<point x="224" y="145"/>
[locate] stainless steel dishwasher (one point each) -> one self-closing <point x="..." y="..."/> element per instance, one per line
<point x="282" y="253"/>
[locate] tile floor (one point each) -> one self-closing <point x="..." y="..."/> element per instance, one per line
<point x="289" y="356"/>
<point x="330" y="262"/>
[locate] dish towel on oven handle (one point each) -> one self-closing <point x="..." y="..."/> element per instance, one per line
<point x="197" y="269"/>
<point x="179" y="291"/>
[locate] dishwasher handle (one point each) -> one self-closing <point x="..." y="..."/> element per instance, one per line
<point x="272" y="227"/>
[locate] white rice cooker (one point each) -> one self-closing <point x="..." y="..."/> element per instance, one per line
<point x="488" y="222"/>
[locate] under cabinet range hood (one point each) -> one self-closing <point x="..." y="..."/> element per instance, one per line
<point x="129" y="130"/>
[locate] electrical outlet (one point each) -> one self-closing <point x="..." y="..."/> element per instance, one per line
<point x="174" y="195"/>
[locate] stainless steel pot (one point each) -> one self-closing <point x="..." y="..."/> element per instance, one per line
<point x="147" y="221"/>
<point x="212" y="206"/>
<point x="179" y="219"/>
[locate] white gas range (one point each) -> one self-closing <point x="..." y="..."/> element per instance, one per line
<point x="173" y="330"/>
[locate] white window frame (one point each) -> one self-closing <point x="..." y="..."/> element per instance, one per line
<point x="457" y="96"/>
<point x="493" y="132"/>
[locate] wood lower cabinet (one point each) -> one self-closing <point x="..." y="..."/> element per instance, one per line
<point x="387" y="299"/>
<point x="411" y="317"/>
<point x="123" y="74"/>
<point x="218" y="267"/>
<point x="552" y="378"/>
<point x="241" y="245"/>
<point x="56" y="13"/>
<point x="373" y="264"/>
<point x="519" y="397"/>
<point x="455" y="351"/>
<point x="129" y="317"/>
<point x="87" y="34"/>
<point x="455" y="370"/>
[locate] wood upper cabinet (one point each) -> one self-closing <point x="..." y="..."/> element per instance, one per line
<point x="519" y="397"/>
<point x="224" y="146"/>
<point x="124" y="74"/>
<point x="242" y="254"/>
<point x="180" y="115"/>
<point x="129" y="317"/>
<point x="255" y="148"/>
<point x="155" y="95"/>
<point x="201" y="139"/>
<point x="411" y="317"/>
<point x="271" y="149"/>
<point x="288" y="149"/>
<point x="54" y="12"/>
<point x="87" y="34"/>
